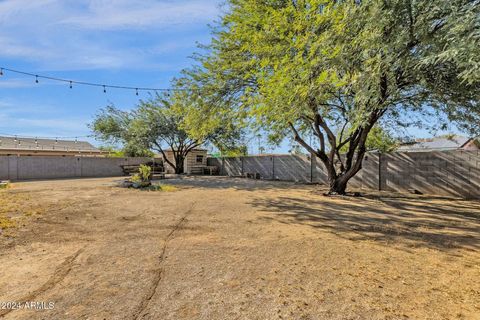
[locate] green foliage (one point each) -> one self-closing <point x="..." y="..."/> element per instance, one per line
<point x="113" y="152"/>
<point x="164" y="122"/>
<point x="133" y="149"/>
<point x="145" y="172"/>
<point x="143" y="178"/>
<point x="381" y="140"/>
<point x="337" y="67"/>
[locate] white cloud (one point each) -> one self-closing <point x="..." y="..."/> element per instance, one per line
<point x="121" y="14"/>
<point x="14" y="83"/>
<point x="99" y="34"/>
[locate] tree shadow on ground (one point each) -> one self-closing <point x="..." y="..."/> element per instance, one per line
<point x="221" y="182"/>
<point x="410" y="220"/>
<point x="436" y="222"/>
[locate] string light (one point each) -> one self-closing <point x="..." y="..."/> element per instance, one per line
<point x="135" y="89"/>
<point x="104" y="89"/>
<point x="56" y="138"/>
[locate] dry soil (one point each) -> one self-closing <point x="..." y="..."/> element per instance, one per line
<point x="220" y="248"/>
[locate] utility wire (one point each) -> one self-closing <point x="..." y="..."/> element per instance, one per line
<point x="84" y="83"/>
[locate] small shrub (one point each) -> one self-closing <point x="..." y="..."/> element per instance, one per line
<point x="168" y="188"/>
<point x="4" y="185"/>
<point x="162" y="188"/>
<point x="145" y="173"/>
<point x="142" y="179"/>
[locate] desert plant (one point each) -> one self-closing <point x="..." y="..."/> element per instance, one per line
<point x="145" y="173"/>
<point x="143" y="178"/>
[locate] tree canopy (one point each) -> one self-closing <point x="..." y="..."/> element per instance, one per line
<point x="164" y="122"/>
<point x="339" y="68"/>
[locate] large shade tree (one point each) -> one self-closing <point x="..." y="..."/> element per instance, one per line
<point x="341" y="68"/>
<point x="164" y="122"/>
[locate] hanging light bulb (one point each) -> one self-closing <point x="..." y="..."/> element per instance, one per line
<point x="71" y="86"/>
<point x="1" y="72"/>
<point x="56" y="140"/>
<point x="136" y="91"/>
<point x="15" y="139"/>
<point x="104" y="89"/>
<point x="36" y="79"/>
<point x="36" y="140"/>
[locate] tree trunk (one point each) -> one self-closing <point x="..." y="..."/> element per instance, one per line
<point x="337" y="186"/>
<point x="179" y="168"/>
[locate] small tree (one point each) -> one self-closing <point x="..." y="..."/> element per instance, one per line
<point x="340" y="68"/>
<point x="157" y="124"/>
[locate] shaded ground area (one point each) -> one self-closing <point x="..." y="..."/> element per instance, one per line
<point x="222" y="248"/>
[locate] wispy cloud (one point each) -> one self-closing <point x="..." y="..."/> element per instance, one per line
<point x="15" y="83"/>
<point x="120" y="14"/>
<point x="68" y="34"/>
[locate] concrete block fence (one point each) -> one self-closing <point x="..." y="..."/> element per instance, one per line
<point x="450" y="173"/>
<point x="55" y="167"/>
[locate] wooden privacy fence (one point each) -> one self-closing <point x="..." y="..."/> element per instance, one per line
<point x="452" y="173"/>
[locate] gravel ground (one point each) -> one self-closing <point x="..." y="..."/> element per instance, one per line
<point x="221" y="248"/>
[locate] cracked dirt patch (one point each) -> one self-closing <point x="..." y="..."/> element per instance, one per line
<point x="223" y="248"/>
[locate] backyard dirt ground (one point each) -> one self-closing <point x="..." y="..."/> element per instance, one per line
<point x="224" y="248"/>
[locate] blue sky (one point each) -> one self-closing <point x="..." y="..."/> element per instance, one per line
<point x="122" y="42"/>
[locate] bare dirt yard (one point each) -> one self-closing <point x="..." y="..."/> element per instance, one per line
<point x="220" y="248"/>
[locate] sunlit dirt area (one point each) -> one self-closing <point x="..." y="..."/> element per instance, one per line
<point x="224" y="248"/>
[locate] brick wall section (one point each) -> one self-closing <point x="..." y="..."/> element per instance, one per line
<point x="52" y="167"/>
<point x="451" y="173"/>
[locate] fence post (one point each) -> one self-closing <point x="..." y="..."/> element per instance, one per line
<point x="311" y="167"/>
<point x="242" y="166"/>
<point x="273" y="167"/>
<point x="380" y="171"/>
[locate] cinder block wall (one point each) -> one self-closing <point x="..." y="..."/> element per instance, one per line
<point x="52" y="167"/>
<point x="451" y="173"/>
<point x="454" y="173"/>
<point x="278" y="167"/>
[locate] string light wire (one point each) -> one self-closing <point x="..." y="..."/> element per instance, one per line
<point x="135" y="89"/>
<point x="70" y="83"/>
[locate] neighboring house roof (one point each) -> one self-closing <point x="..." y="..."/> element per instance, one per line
<point x="438" y="143"/>
<point x="196" y="149"/>
<point x="32" y="144"/>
